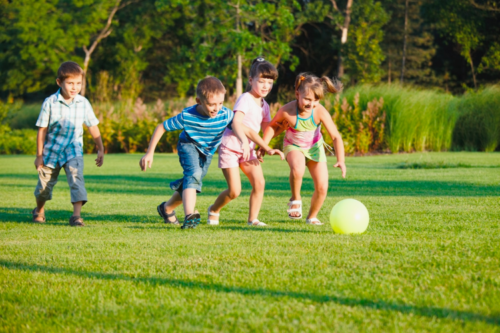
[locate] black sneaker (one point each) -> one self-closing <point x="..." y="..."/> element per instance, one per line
<point x="191" y="221"/>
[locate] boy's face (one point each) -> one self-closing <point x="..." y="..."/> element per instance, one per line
<point x="211" y="106"/>
<point x="71" y="86"/>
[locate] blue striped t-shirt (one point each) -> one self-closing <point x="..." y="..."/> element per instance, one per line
<point x="204" y="132"/>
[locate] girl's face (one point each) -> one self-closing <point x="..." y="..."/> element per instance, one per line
<point x="306" y="101"/>
<point x="261" y="86"/>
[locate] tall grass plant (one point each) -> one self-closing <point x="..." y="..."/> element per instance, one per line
<point x="417" y="120"/>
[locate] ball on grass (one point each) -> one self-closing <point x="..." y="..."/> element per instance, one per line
<point x="349" y="216"/>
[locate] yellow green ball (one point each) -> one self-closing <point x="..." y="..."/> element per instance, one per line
<point x="349" y="216"/>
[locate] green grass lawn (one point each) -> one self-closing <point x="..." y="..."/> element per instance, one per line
<point x="429" y="261"/>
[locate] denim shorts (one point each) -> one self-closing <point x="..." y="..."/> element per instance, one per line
<point x="194" y="165"/>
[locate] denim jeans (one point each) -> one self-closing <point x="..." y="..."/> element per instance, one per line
<point x="194" y="165"/>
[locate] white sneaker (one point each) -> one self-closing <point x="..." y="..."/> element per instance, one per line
<point x="256" y="223"/>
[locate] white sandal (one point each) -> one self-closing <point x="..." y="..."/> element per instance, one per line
<point x="314" y="221"/>
<point x="293" y="210"/>
<point x="256" y="223"/>
<point x="209" y="221"/>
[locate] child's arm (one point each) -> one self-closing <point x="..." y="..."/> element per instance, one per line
<point x="147" y="159"/>
<point x="172" y="124"/>
<point x="40" y="141"/>
<point x="96" y="135"/>
<point x="239" y="130"/>
<point x="274" y="127"/>
<point x="338" y="144"/>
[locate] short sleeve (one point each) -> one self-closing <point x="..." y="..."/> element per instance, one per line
<point x="242" y="104"/>
<point x="90" y="118"/>
<point x="174" y="123"/>
<point x="266" y="113"/>
<point x="43" y="118"/>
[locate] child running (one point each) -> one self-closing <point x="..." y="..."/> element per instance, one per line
<point x="303" y="143"/>
<point x="252" y="111"/>
<point x="203" y="125"/>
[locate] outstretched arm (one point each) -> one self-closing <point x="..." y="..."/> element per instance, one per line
<point x="147" y="159"/>
<point x="338" y="144"/>
<point x="255" y="137"/>
<point x="96" y="135"/>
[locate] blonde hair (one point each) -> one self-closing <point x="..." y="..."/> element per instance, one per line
<point x="68" y="69"/>
<point x="208" y="87"/>
<point x="307" y="81"/>
<point x="262" y="68"/>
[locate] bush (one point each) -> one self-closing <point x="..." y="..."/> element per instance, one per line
<point x="478" y="127"/>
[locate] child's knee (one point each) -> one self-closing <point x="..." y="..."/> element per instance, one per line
<point x="234" y="193"/>
<point x="259" y="184"/>
<point x="322" y="189"/>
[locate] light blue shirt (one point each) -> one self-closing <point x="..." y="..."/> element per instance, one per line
<point x="64" y="139"/>
<point x="204" y="132"/>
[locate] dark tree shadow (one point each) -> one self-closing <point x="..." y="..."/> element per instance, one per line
<point x="426" y="311"/>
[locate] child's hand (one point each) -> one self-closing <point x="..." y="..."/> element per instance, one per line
<point x="100" y="158"/>
<point x="246" y="150"/>
<point x="146" y="160"/>
<point x="260" y="154"/>
<point x="342" y="167"/>
<point x="38" y="163"/>
<point x="276" y="151"/>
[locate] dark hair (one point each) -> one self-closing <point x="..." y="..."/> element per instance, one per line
<point x="263" y="69"/>
<point x="67" y="69"/>
<point x="209" y="86"/>
<point x="308" y="81"/>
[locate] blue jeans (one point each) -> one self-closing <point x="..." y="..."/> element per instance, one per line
<point x="194" y="165"/>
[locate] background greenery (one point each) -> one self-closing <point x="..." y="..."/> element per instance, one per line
<point x="429" y="260"/>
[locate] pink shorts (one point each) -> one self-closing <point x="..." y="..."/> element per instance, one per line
<point x="231" y="159"/>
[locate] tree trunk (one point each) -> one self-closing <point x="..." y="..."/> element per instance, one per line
<point x="404" y="44"/>
<point x="343" y="39"/>
<point x="239" y="78"/>
<point x="473" y="71"/>
<point x="103" y="34"/>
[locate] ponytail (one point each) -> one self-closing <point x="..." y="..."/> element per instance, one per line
<point x="334" y="86"/>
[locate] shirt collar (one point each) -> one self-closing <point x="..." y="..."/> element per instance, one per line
<point x="78" y="98"/>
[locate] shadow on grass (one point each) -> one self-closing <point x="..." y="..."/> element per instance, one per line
<point x="426" y="311"/>
<point x="155" y="185"/>
<point x="61" y="218"/>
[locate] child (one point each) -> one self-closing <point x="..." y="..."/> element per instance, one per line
<point x="303" y="142"/>
<point x="60" y="142"/>
<point x="203" y="125"/>
<point x="252" y="111"/>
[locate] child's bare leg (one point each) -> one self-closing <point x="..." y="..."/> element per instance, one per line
<point x="40" y="205"/>
<point x="233" y="191"/>
<point x="297" y="162"/>
<point x="253" y="171"/>
<point x="319" y="174"/>
<point x="173" y="203"/>
<point x="189" y="200"/>
<point x="77" y="208"/>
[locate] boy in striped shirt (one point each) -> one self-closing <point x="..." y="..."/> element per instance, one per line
<point x="203" y="125"/>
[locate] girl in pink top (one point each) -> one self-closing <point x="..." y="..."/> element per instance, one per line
<point x="253" y="111"/>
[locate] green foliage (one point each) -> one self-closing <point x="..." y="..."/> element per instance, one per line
<point x="417" y="120"/>
<point x="478" y="127"/>
<point x="365" y="35"/>
<point x="362" y="131"/>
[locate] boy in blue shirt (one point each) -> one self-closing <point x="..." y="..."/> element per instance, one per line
<point x="203" y="125"/>
<point x="60" y="142"/>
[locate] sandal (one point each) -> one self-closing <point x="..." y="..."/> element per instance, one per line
<point x="37" y="215"/>
<point x="209" y="221"/>
<point x="191" y="221"/>
<point x="256" y="223"/>
<point x="294" y="210"/>
<point x="76" y="221"/>
<point x="314" y="221"/>
<point x="161" y="211"/>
